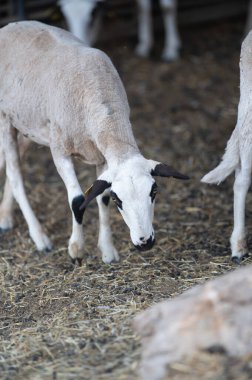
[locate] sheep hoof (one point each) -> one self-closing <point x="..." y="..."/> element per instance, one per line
<point x="75" y="252"/>
<point x="236" y="259"/>
<point x="47" y="249"/>
<point x="3" y="230"/>
<point x="110" y="256"/>
<point x="78" y="259"/>
<point x="169" y="57"/>
<point x="142" y="51"/>
<point x="6" y="223"/>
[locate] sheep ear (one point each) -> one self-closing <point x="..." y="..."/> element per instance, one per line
<point x="163" y="170"/>
<point x="92" y="192"/>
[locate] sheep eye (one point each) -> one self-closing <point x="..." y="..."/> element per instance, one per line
<point x="115" y="199"/>
<point x="153" y="192"/>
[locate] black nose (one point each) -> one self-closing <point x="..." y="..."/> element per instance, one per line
<point x="147" y="245"/>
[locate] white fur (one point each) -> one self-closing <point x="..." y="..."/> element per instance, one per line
<point x="238" y="155"/>
<point x="78" y="14"/>
<point x="61" y="94"/>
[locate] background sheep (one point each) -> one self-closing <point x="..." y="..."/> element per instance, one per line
<point x="78" y="14"/>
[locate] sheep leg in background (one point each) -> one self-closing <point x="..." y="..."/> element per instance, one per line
<point x="105" y="243"/>
<point x="78" y="15"/>
<point x="249" y="19"/>
<point x="66" y="170"/>
<point x="95" y="27"/>
<point x="145" y="28"/>
<point x="241" y="186"/>
<point x="10" y="147"/>
<point x="172" y="40"/>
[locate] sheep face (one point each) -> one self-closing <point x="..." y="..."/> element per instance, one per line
<point x="133" y="190"/>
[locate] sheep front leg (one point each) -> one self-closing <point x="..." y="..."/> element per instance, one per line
<point x="105" y="243"/>
<point x="145" y="32"/>
<point x="16" y="182"/>
<point x="172" y="40"/>
<point x="241" y="186"/>
<point x="66" y="170"/>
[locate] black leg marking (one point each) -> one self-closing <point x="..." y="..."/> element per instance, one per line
<point x="76" y="203"/>
<point x="106" y="199"/>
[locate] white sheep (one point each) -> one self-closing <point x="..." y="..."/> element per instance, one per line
<point x="238" y="154"/>
<point x="61" y="94"/>
<point x="78" y="14"/>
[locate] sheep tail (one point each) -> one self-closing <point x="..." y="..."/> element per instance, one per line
<point x="229" y="163"/>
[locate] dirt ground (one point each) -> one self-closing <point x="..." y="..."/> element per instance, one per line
<point x="59" y="321"/>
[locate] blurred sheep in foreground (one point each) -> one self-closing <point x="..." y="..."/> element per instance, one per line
<point x="216" y="316"/>
<point x="238" y="154"/>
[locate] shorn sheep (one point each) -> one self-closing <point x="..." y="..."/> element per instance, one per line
<point x="78" y="14"/>
<point x="61" y="94"/>
<point x="238" y="154"/>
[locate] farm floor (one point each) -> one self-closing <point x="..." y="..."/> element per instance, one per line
<point x="63" y="322"/>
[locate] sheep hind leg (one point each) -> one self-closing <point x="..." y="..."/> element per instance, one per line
<point x="241" y="186"/>
<point x="105" y="243"/>
<point x="16" y="182"/>
<point x="6" y="206"/>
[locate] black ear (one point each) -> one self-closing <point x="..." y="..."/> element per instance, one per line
<point x="163" y="170"/>
<point x="97" y="188"/>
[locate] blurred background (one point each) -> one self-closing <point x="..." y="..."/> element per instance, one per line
<point x="120" y="16"/>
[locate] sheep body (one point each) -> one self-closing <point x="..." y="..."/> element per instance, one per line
<point x="59" y="93"/>
<point x="238" y="154"/>
<point x="51" y="86"/>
